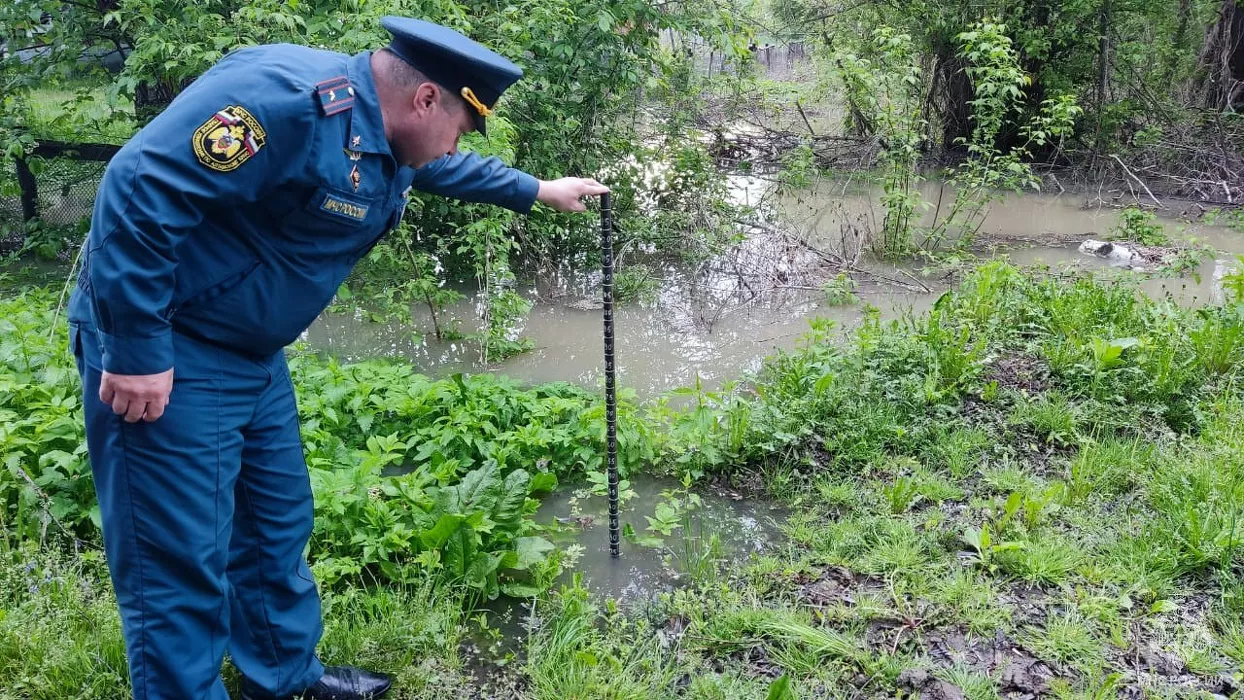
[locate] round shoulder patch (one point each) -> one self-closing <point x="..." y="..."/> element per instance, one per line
<point x="228" y="139"/>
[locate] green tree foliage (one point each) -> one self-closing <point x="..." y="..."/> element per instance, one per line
<point x="1151" y="70"/>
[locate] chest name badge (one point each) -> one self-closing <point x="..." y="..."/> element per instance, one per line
<point x="344" y="208"/>
<point x="228" y="139"/>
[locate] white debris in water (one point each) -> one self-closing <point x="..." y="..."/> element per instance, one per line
<point x="585" y="304"/>
<point x="1117" y="255"/>
<point x="1222" y="268"/>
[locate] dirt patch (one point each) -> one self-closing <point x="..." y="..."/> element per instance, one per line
<point x="1023" y="373"/>
<point x="755" y="660"/>
<point x="488" y="679"/>
<point x="1019" y="673"/>
<point x="834" y="586"/>
<point x="743" y="485"/>
<point x="928" y="687"/>
<point x="1030" y="604"/>
<point x="503" y="686"/>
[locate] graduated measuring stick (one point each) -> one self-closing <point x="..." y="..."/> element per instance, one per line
<point x="611" y="405"/>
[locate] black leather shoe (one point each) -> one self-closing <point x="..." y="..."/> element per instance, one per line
<point x="348" y="683"/>
<point x="337" y="683"/>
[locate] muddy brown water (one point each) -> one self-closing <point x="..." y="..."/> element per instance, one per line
<point x="701" y="325"/>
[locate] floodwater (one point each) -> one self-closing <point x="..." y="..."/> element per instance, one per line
<point x="719" y="322"/>
<point x="721" y="527"/>
<point x="704" y="539"/>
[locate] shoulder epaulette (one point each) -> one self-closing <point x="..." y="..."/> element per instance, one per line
<point x="336" y="95"/>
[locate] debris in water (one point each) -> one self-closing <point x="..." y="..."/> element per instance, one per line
<point x="1117" y="255"/>
<point x="586" y="305"/>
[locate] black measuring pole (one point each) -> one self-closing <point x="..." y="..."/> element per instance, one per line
<point x="611" y="406"/>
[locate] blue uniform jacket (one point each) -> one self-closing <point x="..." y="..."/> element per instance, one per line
<point x="235" y="215"/>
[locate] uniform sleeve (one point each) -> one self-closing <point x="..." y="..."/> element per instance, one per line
<point x="471" y="178"/>
<point x="159" y="187"/>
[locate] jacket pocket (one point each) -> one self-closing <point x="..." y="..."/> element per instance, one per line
<point x="215" y="290"/>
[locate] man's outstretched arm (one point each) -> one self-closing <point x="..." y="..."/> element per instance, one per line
<point x="472" y="178"/>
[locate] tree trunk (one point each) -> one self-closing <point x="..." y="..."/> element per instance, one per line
<point x="956" y="89"/>
<point x="1103" y="55"/>
<point x="1039" y="16"/>
<point x="1222" y="61"/>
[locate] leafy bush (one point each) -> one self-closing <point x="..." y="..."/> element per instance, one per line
<point x="840" y="291"/>
<point x="1139" y="226"/>
<point x="590" y="69"/>
<point x="410" y="474"/>
<point x="45" y="484"/>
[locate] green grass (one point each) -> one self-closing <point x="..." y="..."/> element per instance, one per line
<point x="1052" y="417"/>
<point x="1230" y="633"/>
<point x="969" y="597"/>
<point x="1047" y="560"/>
<point x="1009" y="477"/>
<point x="78" y="111"/>
<point x="1108" y="469"/>
<point x="60" y="635"/>
<point x="959" y="450"/>
<point x="1066" y="641"/>
<point x="573" y="657"/>
<point x="975" y="685"/>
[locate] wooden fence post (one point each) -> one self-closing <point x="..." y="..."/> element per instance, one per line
<point x="30" y="190"/>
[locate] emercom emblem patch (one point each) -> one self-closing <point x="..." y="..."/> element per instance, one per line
<point x="228" y="139"/>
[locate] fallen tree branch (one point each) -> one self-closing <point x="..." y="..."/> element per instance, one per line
<point x="1138" y="180"/>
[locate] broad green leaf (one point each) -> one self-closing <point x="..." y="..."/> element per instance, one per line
<point x="441" y="532"/>
<point x="458" y="551"/>
<point x="483" y="565"/>
<point x="531" y="551"/>
<point x="780" y="690"/>
<point x="509" y="560"/>
<point x="521" y="590"/>
<point x="543" y="482"/>
<point x="480" y="488"/>
<point x="509" y="511"/>
<point x="976" y="539"/>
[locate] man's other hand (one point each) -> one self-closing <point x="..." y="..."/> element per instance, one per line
<point x="136" y="396"/>
<point x="566" y="194"/>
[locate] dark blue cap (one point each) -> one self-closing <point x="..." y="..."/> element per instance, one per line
<point x="474" y="73"/>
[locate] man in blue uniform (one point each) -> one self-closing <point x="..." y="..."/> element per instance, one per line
<point x="221" y="230"/>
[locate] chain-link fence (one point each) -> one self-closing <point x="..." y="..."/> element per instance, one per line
<point x="47" y="194"/>
<point x="55" y="186"/>
<point x="60" y="190"/>
<point x="786" y="61"/>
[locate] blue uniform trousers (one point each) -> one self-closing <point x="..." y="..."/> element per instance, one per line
<point x="206" y="514"/>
